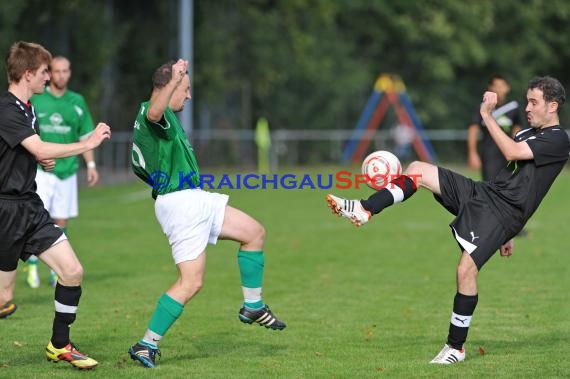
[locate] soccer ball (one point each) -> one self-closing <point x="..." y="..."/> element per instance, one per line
<point x="379" y="168"/>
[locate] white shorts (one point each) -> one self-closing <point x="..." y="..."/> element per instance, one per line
<point x="58" y="195"/>
<point x="191" y="219"/>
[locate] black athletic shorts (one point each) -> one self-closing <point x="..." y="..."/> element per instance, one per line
<point x="475" y="228"/>
<point x="26" y="228"/>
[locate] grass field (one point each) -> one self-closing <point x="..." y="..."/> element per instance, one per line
<point x="359" y="303"/>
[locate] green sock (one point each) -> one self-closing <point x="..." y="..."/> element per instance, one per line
<point x="166" y="313"/>
<point x="32" y="260"/>
<point x="251" y="265"/>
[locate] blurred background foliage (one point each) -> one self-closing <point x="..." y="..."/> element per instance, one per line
<point x="303" y="64"/>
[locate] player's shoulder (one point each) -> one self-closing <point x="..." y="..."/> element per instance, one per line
<point x="11" y="104"/>
<point x="6" y="98"/>
<point x="74" y="97"/>
<point x="557" y="132"/>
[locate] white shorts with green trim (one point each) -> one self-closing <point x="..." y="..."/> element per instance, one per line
<point x="190" y="219"/>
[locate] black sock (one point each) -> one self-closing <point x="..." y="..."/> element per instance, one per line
<point x="463" y="308"/>
<point x="66" y="302"/>
<point x="398" y="190"/>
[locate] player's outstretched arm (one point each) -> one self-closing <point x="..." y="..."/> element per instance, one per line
<point x="161" y="96"/>
<point x="47" y="150"/>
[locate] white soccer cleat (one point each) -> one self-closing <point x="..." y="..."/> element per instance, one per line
<point x="449" y="355"/>
<point x="351" y="209"/>
<point x="33" y="279"/>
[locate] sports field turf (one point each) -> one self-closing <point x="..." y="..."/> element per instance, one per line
<point x="358" y="303"/>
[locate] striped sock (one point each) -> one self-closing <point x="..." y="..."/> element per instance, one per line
<point x="166" y="313"/>
<point x="398" y="190"/>
<point x="463" y="308"/>
<point x="66" y="303"/>
<point x="251" y="264"/>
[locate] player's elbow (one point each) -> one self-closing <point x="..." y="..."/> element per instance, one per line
<point x="153" y="115"/>
<point x="510" y="156"/>
<point x="520" y="151"/>
<point x="35" y="146"/>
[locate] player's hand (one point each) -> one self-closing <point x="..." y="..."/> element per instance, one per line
<point x="474" y="161"/>
<point x="507" y="249"/>
<point x="92" y="176"/>
<point x="489" y="103"/>
<point x="179" y="70"/>
<point x="47" y="164"/>
<point x="102" y="132"/>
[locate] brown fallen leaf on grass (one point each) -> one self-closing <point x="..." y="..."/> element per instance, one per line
<point x="317" y="354"/>
<point x="481" y="350"/>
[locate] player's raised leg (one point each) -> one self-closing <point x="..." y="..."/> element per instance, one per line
<point x="61" y="258"/>
<point x="169" y="309"/>
<point x="359" y="212"/>
<point x="7" y="284"/>
<point x="239" y="226"/>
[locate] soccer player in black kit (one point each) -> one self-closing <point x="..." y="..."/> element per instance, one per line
<point x="26" y="228"/>
<point x="485" y="154"/>
<point x="488" y="214"/>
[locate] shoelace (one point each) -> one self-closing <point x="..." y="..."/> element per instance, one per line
<point x="75" y="349"/>
<point x="442" y="353"/>
<point x="154" y="352"/>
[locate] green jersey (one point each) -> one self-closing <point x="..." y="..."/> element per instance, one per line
<point x="162" y="155"/>
<point x="64" y="119"/>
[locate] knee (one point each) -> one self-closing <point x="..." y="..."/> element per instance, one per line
<point x="71" y="275"/>
<point x="414" y="168"/>
<point x="256" y="237"/>
<point x="260" y="233"/>
<point x="191" y="287"/>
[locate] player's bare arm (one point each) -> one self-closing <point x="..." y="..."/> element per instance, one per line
<point x="47" y="150"/>
<point x="161" y="96"/>
<point x="92" y="173"/>
<point x="513" y="151"/>
<point x="473" y="158"/>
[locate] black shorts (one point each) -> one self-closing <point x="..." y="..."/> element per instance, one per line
<point x="475" y="228"/>
<point x="26" y="229"/>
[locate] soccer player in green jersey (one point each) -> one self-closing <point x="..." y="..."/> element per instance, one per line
<point x="190" y="217"/>
<point x="64" y="118"/>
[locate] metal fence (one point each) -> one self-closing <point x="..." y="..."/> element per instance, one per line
<point x="288" y="147"/>
<point x="237" y="149"/>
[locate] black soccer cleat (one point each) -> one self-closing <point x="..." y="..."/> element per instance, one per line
<point x="144" y="354"/>
<point x="262" y="316"/>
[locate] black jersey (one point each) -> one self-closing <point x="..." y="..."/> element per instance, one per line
<point x="17" y="165"/>
<point x="521" y="186"/>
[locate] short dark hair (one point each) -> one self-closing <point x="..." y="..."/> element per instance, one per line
<point x="552" y="89"/>
<point x="497" y="77"/>
<point x="162" y="75"/>
<point x="25" y="56"/>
